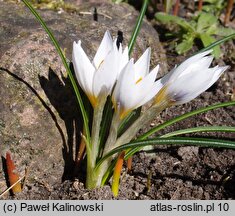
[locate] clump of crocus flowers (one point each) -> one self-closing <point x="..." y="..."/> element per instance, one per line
<point x="112" y="76"/>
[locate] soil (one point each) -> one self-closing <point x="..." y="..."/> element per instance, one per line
<point x="169" y="172"/>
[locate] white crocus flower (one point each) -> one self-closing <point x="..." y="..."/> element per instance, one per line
<point x="135" y="86"/>
<point x="98" y="77"/>
<point x="189" y="79"/>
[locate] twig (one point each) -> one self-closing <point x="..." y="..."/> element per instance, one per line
<point x="105" y="15"/>
<point x="200" y="3"/>
<point x="80" y="154"/>
<point x="89" y="13"/>
<point x="176" y="8"/>
<point x="26" y="174"/>
<point x="149" y="180"/>
<point x="129" y="164"/>
<point x="228" y="11"/>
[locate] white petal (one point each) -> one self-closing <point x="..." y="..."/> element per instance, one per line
<point x="215" y="74"/>
<point x="190" y="78"/>
<point x="194" y="86"/>
<point x="127" y="80"/>
<point x="195" y="58"/>
<point x="124" y="59"/>
<point x="218" y="72"/>
<point x="191" y="62"/>
<point x="125" y="83"/>
<point x="152" y="93"/>
<point x="135" y="94"/>
<point x="115" y="43"/>
<point x="167" y="77"/>
<point x="142" y="65"/>
<point x="84" y="70"/>
<point x="143" y="88"/>
<point x="128" y="101"/>
<point x="104" y="48"/>
<point x="189" y="83"/>
<point x="106" y="75"/>
<point x="154" y="89"/>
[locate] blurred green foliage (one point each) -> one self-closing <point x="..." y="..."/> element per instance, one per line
<point x="204" y="27"/>
<point x="214" y="6"/>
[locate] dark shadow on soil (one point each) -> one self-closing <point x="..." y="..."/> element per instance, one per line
<point x="61" y="96"/>
<point x="229" y="182"/>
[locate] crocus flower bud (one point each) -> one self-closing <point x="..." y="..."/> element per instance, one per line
<point x="189" y="79"/>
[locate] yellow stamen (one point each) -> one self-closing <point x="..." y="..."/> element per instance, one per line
<point x="138" y="80"/>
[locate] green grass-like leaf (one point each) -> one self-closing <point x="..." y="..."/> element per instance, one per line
<point x="174" y="120"/>
<point x="199" y="129"/>
<point x="129" y="120"/>
<point x="138" y="26"/>
<point x="218" y="42"/>
<point x="59" y="51"/>
<point x="204" y="142"/>
<point x="184" y="116"/>
<point x="105" y="124"/>
<point x="207" y="40"/>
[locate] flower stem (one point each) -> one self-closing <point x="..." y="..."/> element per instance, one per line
<point x="95" y="138"/>
<point x="112" y="141"/>
<point x="144" y="119"/>
<point x="108" y="146"/>
<point x="112" y="133"/>
<point x="91" y="178"/>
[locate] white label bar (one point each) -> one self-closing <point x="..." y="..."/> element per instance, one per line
<point x="118" y="207"/>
